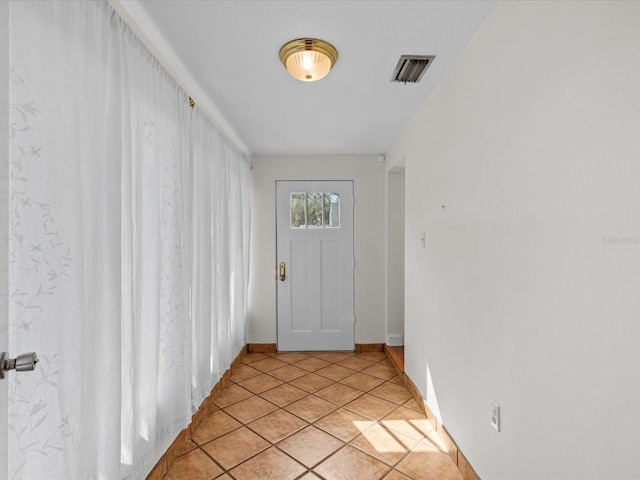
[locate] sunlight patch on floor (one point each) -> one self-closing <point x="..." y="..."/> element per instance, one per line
<point x="397" y="436"/>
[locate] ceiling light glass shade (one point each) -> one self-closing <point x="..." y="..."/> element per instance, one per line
<point x="308" y="59"/>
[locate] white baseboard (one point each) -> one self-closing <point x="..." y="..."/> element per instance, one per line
<point x="395" y="340"/>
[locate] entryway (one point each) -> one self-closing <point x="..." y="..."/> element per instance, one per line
<point x="315" y="291"/>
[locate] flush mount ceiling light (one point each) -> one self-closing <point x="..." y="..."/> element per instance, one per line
<point x="308" y="59"/>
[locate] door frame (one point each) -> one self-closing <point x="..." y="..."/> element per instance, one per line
<point x="395" y="247"/>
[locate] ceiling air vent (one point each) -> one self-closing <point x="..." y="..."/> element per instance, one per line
<point x="410" y="68"/>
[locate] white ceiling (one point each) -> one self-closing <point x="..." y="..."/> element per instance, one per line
<point x="229" y="52"/>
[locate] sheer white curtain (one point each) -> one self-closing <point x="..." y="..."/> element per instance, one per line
<point x="220" y="213"/>
<point x="128" y="247"/>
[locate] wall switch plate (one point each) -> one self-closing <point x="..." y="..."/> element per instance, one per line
<point x="494" y="411"/>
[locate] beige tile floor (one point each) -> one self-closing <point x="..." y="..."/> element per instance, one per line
<point x="306" y="416"/>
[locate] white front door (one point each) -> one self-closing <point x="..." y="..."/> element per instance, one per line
<point x="315" y="265"/>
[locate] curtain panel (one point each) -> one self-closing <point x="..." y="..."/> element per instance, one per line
<point x="128" y="247"/>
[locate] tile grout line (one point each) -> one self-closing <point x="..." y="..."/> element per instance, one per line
<point x="224" y="470"/>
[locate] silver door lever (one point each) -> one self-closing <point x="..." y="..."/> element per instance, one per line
<point x="22" y="363"/>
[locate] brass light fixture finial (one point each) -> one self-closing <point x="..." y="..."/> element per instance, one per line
<point x="308" y="59"/>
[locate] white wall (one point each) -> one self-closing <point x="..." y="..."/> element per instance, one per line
<point x="395" y="255"/>
<point x="369" y="238"/>
<point x="529" y="289"/>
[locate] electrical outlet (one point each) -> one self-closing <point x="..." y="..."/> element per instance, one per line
<point x="494" y="411"/>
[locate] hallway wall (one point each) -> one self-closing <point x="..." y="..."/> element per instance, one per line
<point x="523" y="169"/>
<point x="369" y="238"/>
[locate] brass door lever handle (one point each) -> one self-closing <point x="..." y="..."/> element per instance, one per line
<point x="282" y="271"/>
